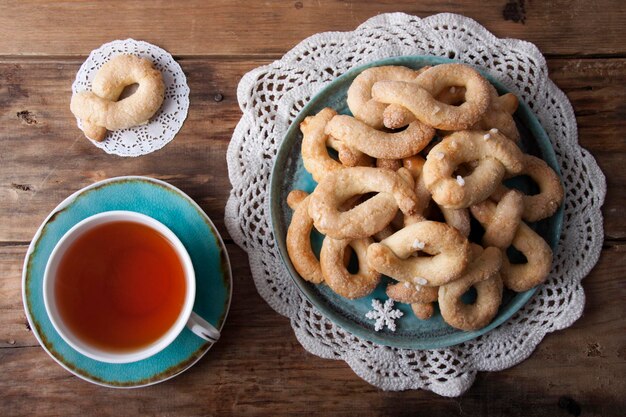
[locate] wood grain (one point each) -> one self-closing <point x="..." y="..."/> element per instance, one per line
<point x="46" y="156"/>
<point x="224" y="27"/>
<point x="596" y="90"/>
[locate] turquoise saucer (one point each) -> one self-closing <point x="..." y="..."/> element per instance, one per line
<point x="193" y="227"/>
<point x="289" y="174"/>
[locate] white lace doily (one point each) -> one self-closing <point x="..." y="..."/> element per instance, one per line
<point x="167" y="121"/>
<point x="270" y="97"/>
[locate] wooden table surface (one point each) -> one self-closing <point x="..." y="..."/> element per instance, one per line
<point x="258" y="368"/>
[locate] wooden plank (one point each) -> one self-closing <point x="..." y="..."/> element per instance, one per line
<point x="596" y="90"/>
<point x="258" y="368"/>
<point x="15" y="331"/>
<point x="44" y="157"/>
<point x="272" y="28"/>
<point x="612" y="164"/>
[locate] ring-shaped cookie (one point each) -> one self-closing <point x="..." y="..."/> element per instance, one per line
<point x="500" y="224"/>
<point x="550" y="196"/>
<point x="299" y="238"/>
<point x="499" y="115"/>
<point x="315" y="143"/>
<point x="99" y="109"/>
<point x="359" y="97"/>
<point x="495" y="155"/>
<point x="396" y="116"/>
<point x="450" y="254"/>
<point x="419" y="97"/>
<point x="379" y="144"/>
<point x="315" y="157"/>
<point x="367" y="218"/>
<point x="482" y="274"/>
<point x="524" y="276"/>
<point x="536" y="269"/>
<point x="337" y="276"/>
<point x="457" y="218"/>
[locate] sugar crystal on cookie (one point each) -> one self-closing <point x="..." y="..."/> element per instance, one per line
<point x="418" y="244"/>
<point x="420" y="280"/>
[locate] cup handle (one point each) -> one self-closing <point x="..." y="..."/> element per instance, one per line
<point x="202" y="328"/>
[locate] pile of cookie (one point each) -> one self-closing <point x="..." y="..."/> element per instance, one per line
<point x="425" y="150"/>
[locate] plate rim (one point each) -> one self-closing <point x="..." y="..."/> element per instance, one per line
<point x="64" y="204"/>
<point x="342" y="321"/>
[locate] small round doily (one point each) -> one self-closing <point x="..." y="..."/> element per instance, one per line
<point x="167" y="121"/>
<point x="271" y="97"/>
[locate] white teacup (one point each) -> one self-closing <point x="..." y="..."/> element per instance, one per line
<point x="186" y="317"/>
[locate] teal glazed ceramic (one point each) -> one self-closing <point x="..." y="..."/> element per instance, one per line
<point x="289" y="174"/>
<point x="180" y="214"/>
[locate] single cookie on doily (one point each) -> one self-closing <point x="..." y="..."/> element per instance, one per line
<point x="165" y="123"/>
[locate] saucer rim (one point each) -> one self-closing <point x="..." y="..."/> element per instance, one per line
<point x="63" y="205"/>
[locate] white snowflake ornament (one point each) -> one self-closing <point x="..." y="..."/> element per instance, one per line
<point x="384" y="314"/>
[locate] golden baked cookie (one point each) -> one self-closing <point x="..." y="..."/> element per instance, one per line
<point x="100" y="110"/>
<point x="495" y="156"/>
<point x="299" y="238"/>
<point x="337" y="276"/>
<point x="547" y="201"/>
<point x="359" y="97"/>
<point x="420" y="97"/>
<point x="482" y="274"/>
<point x="523" y="276"/>
<point x="367" y="218"/>
<point x="449" y="254"/>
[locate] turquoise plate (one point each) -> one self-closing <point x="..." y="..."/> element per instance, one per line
<point x="289" y="174"/>
<point x="193" y="227"/>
